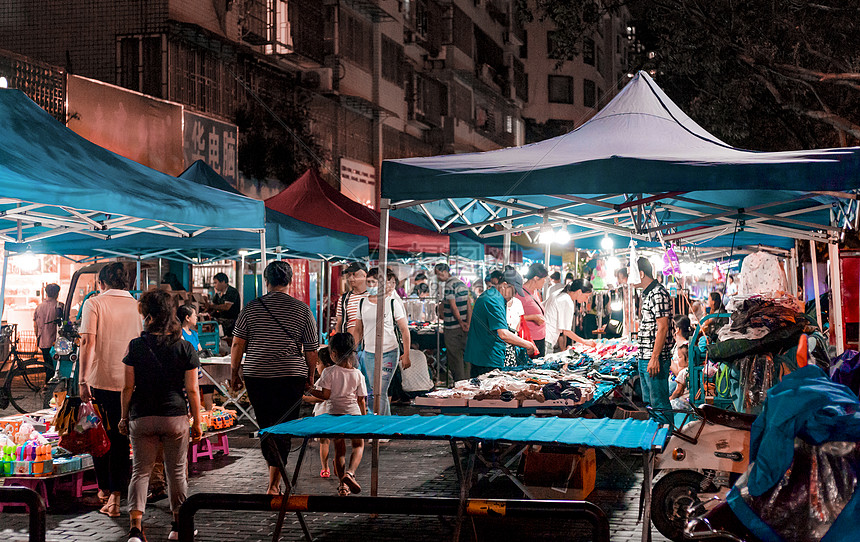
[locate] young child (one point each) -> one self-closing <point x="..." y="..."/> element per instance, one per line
<point x="342" y="386"/>
<point x="321" y="406"/>
<point x="680" y="398"/>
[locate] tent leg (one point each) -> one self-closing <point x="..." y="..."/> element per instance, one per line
<point x="3" y="285"/>
<point x="815" y="287"/>
<point x="326" y="312"/>
<point x="792" y="271"/>
<point x="836" y="298"/>
<point x="263" y="258"/>
<point x="380" y="330"/>
<point x="137" y="280"/>
<point x="240" y="277"/>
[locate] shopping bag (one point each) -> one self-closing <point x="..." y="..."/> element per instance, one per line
<point x="526" y="334"/>
<point x="88" y="434"/>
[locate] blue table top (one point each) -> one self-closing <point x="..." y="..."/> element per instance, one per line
<point x="628" y="434"/>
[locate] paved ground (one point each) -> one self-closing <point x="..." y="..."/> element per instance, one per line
<point x="407" y="469"/>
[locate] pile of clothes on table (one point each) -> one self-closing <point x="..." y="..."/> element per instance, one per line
<point x="532" y="384"/>
<point x="757" y="347"/>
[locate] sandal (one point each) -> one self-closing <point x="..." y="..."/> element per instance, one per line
<point x="111" y="508"/>
<point x="325" y="473"/>
<point x="350" y="481"/>
<point x="342" y="490"/>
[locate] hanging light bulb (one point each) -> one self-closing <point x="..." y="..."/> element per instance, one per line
<point x="606" y="243"/>
<point x="561" y="237"/>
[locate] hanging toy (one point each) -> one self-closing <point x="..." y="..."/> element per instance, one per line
<point x="671" y="265"/>
<point x="633" y="271"/>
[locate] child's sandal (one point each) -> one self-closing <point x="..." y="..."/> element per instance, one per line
<point x="325" y="473"/>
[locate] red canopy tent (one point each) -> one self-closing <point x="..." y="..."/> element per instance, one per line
<point x="313" y="200"/>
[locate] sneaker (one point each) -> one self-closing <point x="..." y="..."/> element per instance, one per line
<point x="136" y="535"/>
<point x="174" y="531"/>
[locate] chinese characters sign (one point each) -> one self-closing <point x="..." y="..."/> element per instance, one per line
<point x="212" y="141"/>
<point x="358" y="181"/>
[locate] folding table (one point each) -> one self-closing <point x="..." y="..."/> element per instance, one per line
<point x="645" y="436"/>
<point x="216" y="364"/>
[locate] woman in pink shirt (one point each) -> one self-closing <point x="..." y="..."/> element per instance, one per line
<point x="535" y="315"/>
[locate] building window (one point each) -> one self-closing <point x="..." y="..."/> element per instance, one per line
<point x="588" y="51"/>
<point x="509" y="124"/>
<point x="589" y="93"/>
<point x="140" y="64"/>
<point x="356" y="40"/>
<point x="560" y="89"/>
<point x="524" y="48"/>
<point x="392" y="61"/>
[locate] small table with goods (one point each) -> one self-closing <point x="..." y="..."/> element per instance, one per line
<point x="217" y="371"/>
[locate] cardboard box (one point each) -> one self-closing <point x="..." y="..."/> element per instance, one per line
<point x="558" y="474"/>
<point x="623" y="414"/>
<point x="441" y="401"/>
<point x="493" y="403"/>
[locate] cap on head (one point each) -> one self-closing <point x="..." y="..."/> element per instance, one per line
<point x="513" y="278"/>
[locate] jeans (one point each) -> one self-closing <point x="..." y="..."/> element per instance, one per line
<point x="368" y="377"/>
<point x="148" y="435"/>
<point x="389" y="364"/>
<point x="655" y="390"/>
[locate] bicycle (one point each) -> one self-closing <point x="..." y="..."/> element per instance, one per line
<point x="21" y="377"/>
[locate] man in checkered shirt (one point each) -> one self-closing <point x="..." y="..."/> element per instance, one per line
<point x="656" y="339"/>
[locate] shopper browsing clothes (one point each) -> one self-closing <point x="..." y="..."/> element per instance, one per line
<point x="533" y="305"/>
<point x="342" y="386"/>
<point x="560" y="313"/>
<point x="277" y="335"/>
<point x="656" y="339"/>
<point x="160" y="371"/>
<point x="45" y="323"/>
<point x="109" y="322"/>
<point x="365" y="328"/>
<point x="455" y="308"/>
<point x="488" y="332"/>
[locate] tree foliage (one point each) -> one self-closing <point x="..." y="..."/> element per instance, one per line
<point x="760" y="74"/>
<point x="275" y="140"/>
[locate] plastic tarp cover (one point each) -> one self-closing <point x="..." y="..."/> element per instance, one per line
<point x="313" y="200"/>
<point x="599" y="433"/>
<point x="43" y="162"/>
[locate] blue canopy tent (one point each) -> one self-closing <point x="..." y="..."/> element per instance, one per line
<point x="56" y="183"/>
<point x="639" y="167"/>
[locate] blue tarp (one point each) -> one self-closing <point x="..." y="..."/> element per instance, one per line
<point x="43" y="162"/>
<point x="600" y="433"/>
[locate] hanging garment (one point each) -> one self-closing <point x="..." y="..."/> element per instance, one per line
<point x="761" y="273"/>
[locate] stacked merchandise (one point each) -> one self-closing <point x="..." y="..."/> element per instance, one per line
<point x="217" y="419"/>
<point x="24" y="452"/>
<point x="570" y="378"/>
<point x="756" y="348"/>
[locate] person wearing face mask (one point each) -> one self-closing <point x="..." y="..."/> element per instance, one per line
<point x="533" y="304"/>
<point x="559" y="315"/>
<point x="365" y="328"/>
<point x="109" y="322"/>
<point x="488" y="332"/>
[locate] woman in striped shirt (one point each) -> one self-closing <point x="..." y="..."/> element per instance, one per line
<point x="277" y="336"/>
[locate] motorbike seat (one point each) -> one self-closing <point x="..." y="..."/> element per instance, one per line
<point x="727" y="418"/>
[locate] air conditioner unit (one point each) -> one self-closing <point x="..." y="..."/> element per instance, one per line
<point x="320" y="79"/>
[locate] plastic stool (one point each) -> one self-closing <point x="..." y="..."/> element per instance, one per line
<point x="205" y="448"/>
<point x="36" y="484"/>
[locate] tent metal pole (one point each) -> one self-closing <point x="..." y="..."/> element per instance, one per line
<point x="3" y="284"/>
<point x="380" y="334"/>
<point x="326" y="312"/>
<point x="240" y="278"/>
<point x="263" y="259"/>
<point x="506" y="245"/>
<point x="815" y="287"/>
<point x="137" y="279"/>
<point x="792" y="271"/>
<point x="836" y="297"/>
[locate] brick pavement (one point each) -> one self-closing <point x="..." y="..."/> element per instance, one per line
<point x="408" y="468"/>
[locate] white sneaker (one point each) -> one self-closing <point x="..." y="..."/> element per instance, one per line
<point x="174" y="532"/>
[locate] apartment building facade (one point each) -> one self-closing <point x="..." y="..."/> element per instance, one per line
<point x="387" y="78"/>
<point x="563" y="93"/>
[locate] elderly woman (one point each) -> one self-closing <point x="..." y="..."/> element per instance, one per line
<point x="277" y="336"/>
